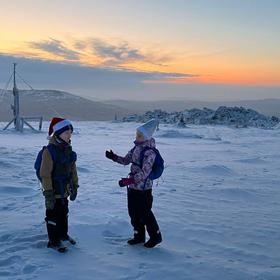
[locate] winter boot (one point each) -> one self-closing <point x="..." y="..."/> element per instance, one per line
<point x="153" y="241"/>
<point x="138" y="238"/>
<point x="69" y="239"/>
<point x="58" y="246"/>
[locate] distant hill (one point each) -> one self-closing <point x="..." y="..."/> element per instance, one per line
<point x="270" y="107"/>
<point x="49" y="103"/>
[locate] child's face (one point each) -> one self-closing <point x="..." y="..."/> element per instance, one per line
<point x="139" y="137"/>
<point x="66" y="135"/>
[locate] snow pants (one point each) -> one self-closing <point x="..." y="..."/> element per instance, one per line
<point x="140" y="212"/>
<point x="57" y="221"/>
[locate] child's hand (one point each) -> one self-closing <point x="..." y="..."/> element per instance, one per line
<point x="73" y="195"/>
<point x="110" y="155"/>
<point x="49" y="199"/>
<point x="126" y="181"/>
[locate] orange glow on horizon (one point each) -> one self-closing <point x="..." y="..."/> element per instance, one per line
<point x="226" y="70"/>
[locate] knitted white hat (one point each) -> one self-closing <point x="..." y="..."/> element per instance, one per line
<point x="148" y="128"/>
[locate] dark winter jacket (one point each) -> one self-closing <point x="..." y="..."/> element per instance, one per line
<point x="49" y="172"/>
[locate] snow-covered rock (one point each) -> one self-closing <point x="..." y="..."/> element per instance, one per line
<point x="231" y="116"/>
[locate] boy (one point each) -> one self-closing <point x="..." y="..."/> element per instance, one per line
<point x="59" y="180"/>
<point x="139" y="191"/>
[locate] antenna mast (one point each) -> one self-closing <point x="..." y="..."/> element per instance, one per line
<point x="18" y="120"/>
<point x="15" y="107"/>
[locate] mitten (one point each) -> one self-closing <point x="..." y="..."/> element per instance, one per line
<point x="111" y="155"/>
<point x="126" y="181"/>
<point x="49" y="199"/>
<point x="74" y="193"/>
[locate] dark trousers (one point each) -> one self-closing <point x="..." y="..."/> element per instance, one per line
<point x="140" y="212"/>
<point x="57" y="221"/>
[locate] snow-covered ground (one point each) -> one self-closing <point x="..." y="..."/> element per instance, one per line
<point x="217" y="204"/>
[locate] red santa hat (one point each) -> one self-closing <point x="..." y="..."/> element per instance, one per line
<point x="59" y="125"/>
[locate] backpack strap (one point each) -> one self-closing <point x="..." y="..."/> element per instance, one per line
<point x="142" y="154"/>
<point x="60" y="180"/>
<point x="51" y="150"/>
<point x="74" y="156"/>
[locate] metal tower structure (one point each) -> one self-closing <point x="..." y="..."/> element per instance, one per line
<point x="18" y="120"/>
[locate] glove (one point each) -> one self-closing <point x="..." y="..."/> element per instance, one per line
<point x="49" y="199"/>
<point x="111" y="155"/>
<point x="126" y="181"/>
<point x="74" y="193"/>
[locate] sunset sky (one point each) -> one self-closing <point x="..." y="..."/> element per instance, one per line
<point x="226" y="49"/>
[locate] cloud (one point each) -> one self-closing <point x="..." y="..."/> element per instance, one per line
<point x="55" y="47"/>
<point x="117" y="54"/>
<point x="121" y="52"/>
<point x="109" y="54"/>
<point x="163" y="78"/>
<point x="173" y="76"/>
<point x="80" y="44"/>
<point x="109" y="83"/>
<point x="75" y="75"/>
<point x="93" y="62"/>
